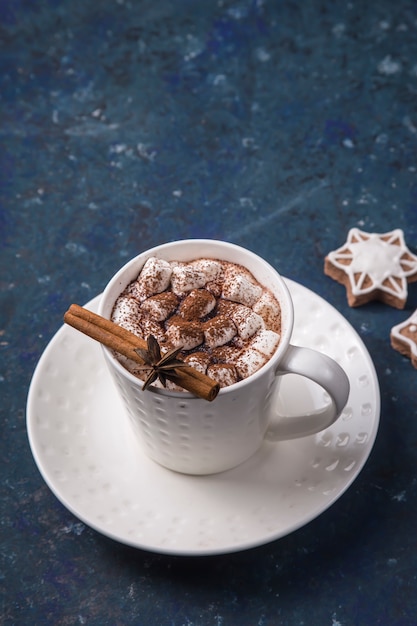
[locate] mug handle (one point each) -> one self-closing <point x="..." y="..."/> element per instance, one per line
<point x="322" y="370"/>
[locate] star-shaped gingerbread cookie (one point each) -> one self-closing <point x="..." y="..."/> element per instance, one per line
<point x="404" y="338"/>
<point x="373" y="266"/>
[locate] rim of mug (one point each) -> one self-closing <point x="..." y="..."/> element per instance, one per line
<point x="119" y="279"/>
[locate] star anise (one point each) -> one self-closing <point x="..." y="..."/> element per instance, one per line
<point x="159" y="366"/>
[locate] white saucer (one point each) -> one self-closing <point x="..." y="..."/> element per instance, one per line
<point x="84" y="449"/>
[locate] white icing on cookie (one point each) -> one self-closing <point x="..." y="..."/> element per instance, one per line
<point x="384" y="258"/>
<point x="396" y="332"/>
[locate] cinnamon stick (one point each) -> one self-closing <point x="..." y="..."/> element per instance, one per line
<point x="124" y="342"/>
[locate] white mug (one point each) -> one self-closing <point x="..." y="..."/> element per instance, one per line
<point x="193" y="436"/>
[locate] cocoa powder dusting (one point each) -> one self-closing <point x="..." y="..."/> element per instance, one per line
<point x="199" y="316"/>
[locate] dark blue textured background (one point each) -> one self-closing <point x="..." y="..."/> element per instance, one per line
<point x="277" y="125"/>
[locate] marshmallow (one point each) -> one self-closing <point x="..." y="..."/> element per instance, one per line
<point x="197" y="304"/>
<point x="151" y="327"/>
<point x="218" y="331"/>
<point x="188" y="276"/>
<point x="249" y="362"/>
<point x="223" y="373"/>
<point x="247" y="322"/>
<point x="226" y="307"/>
<point x="126" y="313"/>
<point x="185" y="278"/>
<point x="153" y="278"/>
<point x="265" y="342"/>
<point x="239" y="288"/>
<point x="211" y="269"/>
<point x="198" y="360"/>
<point x="215" y="287"/>
<point x="160" y="306"/>
<point x="185" y="335"/>
<point x="268" y="308"/>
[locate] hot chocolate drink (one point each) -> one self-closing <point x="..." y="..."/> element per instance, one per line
<point x="226" y="324"/>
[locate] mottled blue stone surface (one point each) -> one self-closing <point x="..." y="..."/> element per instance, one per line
<point x="277" y="125"/>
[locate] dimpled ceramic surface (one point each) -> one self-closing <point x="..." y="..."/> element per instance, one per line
<point x="183" y="436"/>
<point x="82" y="442"/>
